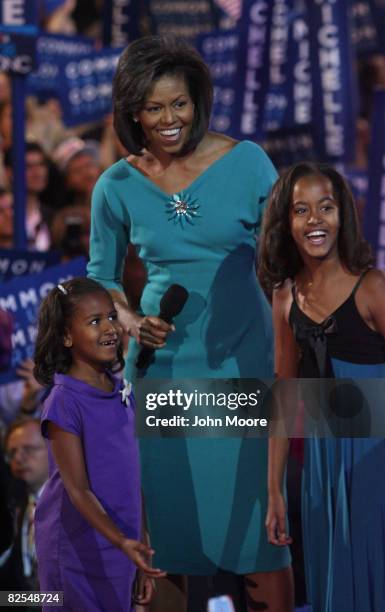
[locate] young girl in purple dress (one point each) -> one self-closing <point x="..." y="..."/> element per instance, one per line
<point x="87" y="522"/>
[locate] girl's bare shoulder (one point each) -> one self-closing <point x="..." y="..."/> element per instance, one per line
<point x="373" y="282"/>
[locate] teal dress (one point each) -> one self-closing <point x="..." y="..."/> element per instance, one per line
<point x="205" y="498"/>
<point x="343" y="483"/>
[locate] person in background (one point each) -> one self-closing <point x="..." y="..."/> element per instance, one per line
<point x="36" y="167"/>
<point x="78" y="161"/>
<point x="6" y="219"/>
<point x="27" y="456"/>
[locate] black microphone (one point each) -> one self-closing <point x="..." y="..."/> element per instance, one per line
<point x="171" y="305"/>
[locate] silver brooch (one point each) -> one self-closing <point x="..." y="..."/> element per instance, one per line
<point x="182" y="209"/>
<point x="125" y="391"/>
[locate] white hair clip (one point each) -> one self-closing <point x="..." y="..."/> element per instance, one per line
<point x="62" y="289"/>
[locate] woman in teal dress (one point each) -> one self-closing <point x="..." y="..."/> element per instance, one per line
<point x="191" y="202"/>
<point x="329" y="315"/>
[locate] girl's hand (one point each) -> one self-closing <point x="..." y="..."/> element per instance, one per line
<point x="144" y="589"/>
<point x="149" y="331"/>
<point x="276" y="521"/>
<point x="139" y="553"/>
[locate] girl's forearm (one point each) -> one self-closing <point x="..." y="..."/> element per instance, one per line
<point x="92" y="510"/>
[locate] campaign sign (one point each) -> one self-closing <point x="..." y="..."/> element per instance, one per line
<point x="18" y="15"/>
<point x="21" y="298"/>
<point x="365" y="35"/>
<point x="374" y="214"/>
<point x="14" y="263"/>
<point x="220" y="52"/>
<point x="335" y="105"/>
<point x="378" y="10"/>
<point x="17" y="52"/>
<point x="186" y="20"/>
<point x="253" y="70"/>
<point x="85" y="86"/>
<point x="120" y="22"/>
<point x="51" y="49"/>
<point x="279" y="61"/>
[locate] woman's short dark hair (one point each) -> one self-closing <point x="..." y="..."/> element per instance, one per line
<point x="279" y="257"/>
<point x="141" y="64"/>
<point x="55" y="314"/>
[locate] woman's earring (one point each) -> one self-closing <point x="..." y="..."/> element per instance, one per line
<point x="136" y="119"/>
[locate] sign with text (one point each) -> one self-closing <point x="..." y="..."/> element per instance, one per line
<point x="374" y="216"/>
<point x="85" y="89"/>
<point x="17" y="52"/>
<point x="51" y="49"/>
<point x="18" y="15"/>
<point x="335" y="105"/>
<point x="184" y="19"/>
<point x="120" y="22"/>
<point x="21" y="298"/>
<point x="14" y="263"/>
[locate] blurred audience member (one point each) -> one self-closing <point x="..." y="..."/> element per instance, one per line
<point x="70" y="231"/>
<point x="21" y="397"/>
<point x="57" y="17"/>
<point x="5" y="88"/>
<point x="36" y="166"/>
<point x="28" y="460"/>
<point x="79" y="162"/>
<point x="6" y="219"/>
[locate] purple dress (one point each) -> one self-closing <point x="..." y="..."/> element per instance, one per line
<point x="72" y="556"/>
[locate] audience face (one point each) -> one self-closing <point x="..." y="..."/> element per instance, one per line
<point x="28" y="458"/>
<point x="82" y="173"/>
<point x="6" y="125"/>
<point x="6" y="220"/>
<point x="36" y="172"/>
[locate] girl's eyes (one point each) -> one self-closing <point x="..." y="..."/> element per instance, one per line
<point x="113" y="317"/>
<point x="301" y="210"/>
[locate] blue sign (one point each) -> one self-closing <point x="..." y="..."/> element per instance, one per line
<point x="21" y="298"/>
<point x="374" y="214"/>
<point x="120" y="22"/>
<point x="51" y="49"/>
<point x="17" y="52"/>
<point x="253" y="71"/>
<point x="14" y="263"/>
<point x="335" y="103"/>
<point x="220" y="52"/>
<point x="19" y="15"/>
<point x="85" y="91"/>
<point x="186" y="20"/>
<point x="364" y="30"/>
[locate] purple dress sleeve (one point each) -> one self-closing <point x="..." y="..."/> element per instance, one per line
<point x="61" y="408"/>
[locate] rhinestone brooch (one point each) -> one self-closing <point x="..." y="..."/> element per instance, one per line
<point x="182" y="209"/>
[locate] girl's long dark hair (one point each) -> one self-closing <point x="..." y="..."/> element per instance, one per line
<point x="279" y="257"/>
<point x="56" y="311"/>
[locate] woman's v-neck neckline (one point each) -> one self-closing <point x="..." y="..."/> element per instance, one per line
<point x="191" y="185"/>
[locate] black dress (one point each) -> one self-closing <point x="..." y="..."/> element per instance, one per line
<point x="344" y="484"/>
